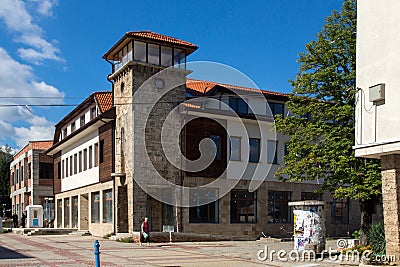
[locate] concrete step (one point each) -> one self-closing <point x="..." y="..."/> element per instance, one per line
<point x="120" y="236"/>
<point x="81" y="233"/>
<point x="42" y="231"/>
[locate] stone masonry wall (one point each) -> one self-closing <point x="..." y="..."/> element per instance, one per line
<point x="391" y="198"/>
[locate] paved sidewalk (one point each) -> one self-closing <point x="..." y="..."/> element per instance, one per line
<point x="18" y="250"/>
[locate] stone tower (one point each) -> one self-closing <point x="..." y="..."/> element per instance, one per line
<point x="135" y="59"/>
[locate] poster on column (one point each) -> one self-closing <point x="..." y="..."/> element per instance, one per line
<point x="303" y="228"/>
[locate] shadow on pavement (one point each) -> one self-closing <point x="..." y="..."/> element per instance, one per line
<point x="6" y="253"/>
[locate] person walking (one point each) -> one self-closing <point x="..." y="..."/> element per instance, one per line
<point x="145" y="232"/>
<point x="15" y="220"/>
<point x="23" y="220"/>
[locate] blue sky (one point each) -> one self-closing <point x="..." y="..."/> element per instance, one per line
<point x="54" y="48"/>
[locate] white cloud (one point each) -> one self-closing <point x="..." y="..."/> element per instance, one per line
<point x="17" y="19"/>
<point x="18" y="84"/>
<point x="33" y="133"/>
<point x="44" y="7"/>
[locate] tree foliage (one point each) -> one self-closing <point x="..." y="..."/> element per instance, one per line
<point x="6" y="158"/>
<point x="322" y="125"/>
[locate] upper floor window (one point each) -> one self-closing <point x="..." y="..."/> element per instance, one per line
<point x="101" y="151"/>
<point x="29" y="170"/>
<point x="62" y="169"/>
<point x="90" y="157"/>
<point x="96" y="154"/>
<point x="45" y="170"/>
<point x="179" y="57"/>
<point x="153" y="54"/>
<point x="85" y="159"/>
<point x="59" y="170"/>
<point x="66" y="167"/>
<point x="93" y="113"/>
<point x="166" y="56"/>
<point x="71" y="166"/>
<point x="254" y="155"/>
<point x="82" y="120"/>
<point x="236" y="148"/>
<point x="276" y="108"/>
<point x="238" y="105"/>
<point x="217" y="142"/>
<point x="65" y="133"/>
<point x="149" y="53"/>
<point x="272" y="152"/>
<point x="139" y="51"/>
<point x="72" y="127"/>
<point x="21" y="171"/>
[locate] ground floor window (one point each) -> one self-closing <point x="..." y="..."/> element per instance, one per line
<point x="167" y="215"/>
<point x="75" y="208"/>
<point x="48" y="208"/>
<point x="340" y="211"/>
<point x="66" y="213"/>
<point x="206" y="213"/>
<point x="278" y="208"/>
<point x="95" y="207"/>
<point x="107" y="206"/>
<point x="243" y="206"/>
<point x="59" y="213"/>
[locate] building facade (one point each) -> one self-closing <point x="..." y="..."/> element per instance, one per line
<point x="242" y="156"/>
<point x="377" y="108"/>
<point x="31" y="179"/>
<point x="82" y="151"/>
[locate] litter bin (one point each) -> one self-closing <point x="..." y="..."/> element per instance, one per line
<point x="309" y="225"/>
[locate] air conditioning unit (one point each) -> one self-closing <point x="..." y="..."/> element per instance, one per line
<point x="377" y="92"/>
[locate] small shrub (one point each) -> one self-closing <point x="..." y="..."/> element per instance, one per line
<point x="357" y="234"/>
<point x="376" y="237"/>
<point x="107" y="236"/>
<point x="126" y="240"/>
<point x="359" y="248"/>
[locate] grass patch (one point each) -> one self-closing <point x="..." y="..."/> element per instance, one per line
<point x="107" y="236"/>
<point x="126" y="240"/>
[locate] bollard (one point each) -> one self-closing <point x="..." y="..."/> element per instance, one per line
<point x="97" y="253"/>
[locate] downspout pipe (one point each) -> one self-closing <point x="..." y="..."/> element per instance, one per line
<point x="113" y="150"/>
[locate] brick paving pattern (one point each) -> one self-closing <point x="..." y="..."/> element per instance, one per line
<point x="18" y="250"/>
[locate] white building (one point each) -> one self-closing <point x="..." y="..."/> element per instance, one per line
<point x="82" y="151"/>
<point x="378" y="97"/>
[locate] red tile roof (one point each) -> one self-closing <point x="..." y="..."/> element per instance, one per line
<point x="199" y="87"/>
<point x="191" y="105"/>
<point x="39" y="145"/>
<point x="160" y="37"/>
<point x="104" y="100"/>
<point x="150" y="36"/>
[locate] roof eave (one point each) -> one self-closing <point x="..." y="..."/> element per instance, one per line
<point x="108" y="55"/>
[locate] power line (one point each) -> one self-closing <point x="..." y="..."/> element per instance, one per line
<point x="39" y="97"/>
<point x="38" y="105"/>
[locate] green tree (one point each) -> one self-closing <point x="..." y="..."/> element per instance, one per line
<point x="322" y="128"/>
<point x="6" y="158"/>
